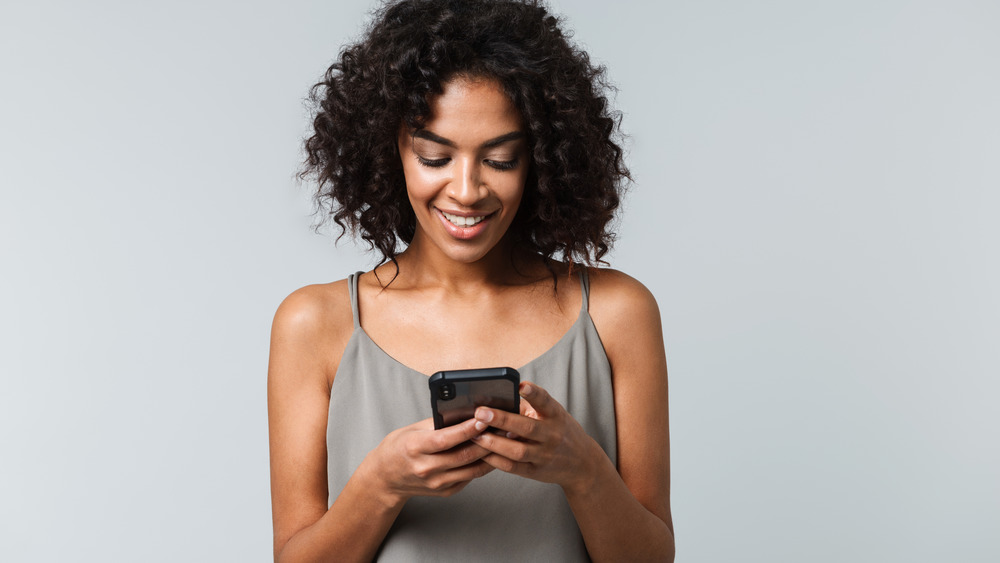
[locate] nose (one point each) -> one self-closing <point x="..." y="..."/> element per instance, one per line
<point x="467" y="188"/>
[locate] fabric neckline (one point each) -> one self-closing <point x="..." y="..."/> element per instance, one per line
<point x="583" y="314"/>
<point x="566" y="336"/>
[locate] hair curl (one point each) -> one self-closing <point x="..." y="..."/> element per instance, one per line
<point x="576" y="174"/>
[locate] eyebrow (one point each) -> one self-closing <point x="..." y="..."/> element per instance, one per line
<point x="507" y="137"/>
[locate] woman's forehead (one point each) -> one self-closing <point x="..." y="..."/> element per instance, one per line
<point x="472" y="110"/>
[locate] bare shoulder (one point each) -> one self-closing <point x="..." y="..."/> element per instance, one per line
<point x="627" y="318"/>
<point x="315" y="306"/>
<point x="320" y="310"/>
<point x="620" y="302"/>
<point x="314" y="322"/>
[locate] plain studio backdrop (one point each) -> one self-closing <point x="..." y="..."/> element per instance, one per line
<point x="815" y="209"/>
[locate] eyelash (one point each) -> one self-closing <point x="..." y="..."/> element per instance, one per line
<point x="502" y="164"/>
<point x="495" y="164"/>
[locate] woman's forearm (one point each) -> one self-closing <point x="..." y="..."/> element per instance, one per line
<point x="616" y="526"/>
<point x="351" y="530"/>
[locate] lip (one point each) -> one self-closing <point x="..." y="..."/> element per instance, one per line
<point x="464" y="233"/>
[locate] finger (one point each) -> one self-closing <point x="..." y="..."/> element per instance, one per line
<point x="457" y="487"/>
<point x="506" y="465"/>
<point x="539" y="400"/>
<point x="461" y="455"/>
<point x="508" y="422"/>
<point x="447" y="438"/>
<point x="454" y="480"/>
<point x="472" y="471"/>
<point x="514" y="450"/>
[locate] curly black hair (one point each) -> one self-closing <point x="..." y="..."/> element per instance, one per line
<point x="576" y="174"/>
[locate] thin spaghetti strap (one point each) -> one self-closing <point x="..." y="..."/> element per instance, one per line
<point x="584" y="289"/>
<point x="352" y="285"/>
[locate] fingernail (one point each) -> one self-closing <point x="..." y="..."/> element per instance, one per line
<point x="526" y="390"/>
<point x="480" y="426"/>
<point x="484" y="415"/>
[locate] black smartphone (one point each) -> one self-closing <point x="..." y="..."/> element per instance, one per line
<point x="456" y="394"/>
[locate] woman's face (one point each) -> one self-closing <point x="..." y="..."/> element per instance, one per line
<point x="465" y="170"/>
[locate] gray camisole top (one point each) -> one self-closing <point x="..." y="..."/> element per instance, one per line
<point x="498" y="517"/>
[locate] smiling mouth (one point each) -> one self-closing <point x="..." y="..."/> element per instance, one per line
<point x="462" y="221"/>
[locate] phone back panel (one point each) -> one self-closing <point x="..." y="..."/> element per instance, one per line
<point x="456" y="394"/>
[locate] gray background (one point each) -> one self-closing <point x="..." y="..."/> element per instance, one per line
<point x="815" y="210"/>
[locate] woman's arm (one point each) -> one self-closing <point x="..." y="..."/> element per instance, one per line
<point x="414" y="460"/>
<point x="623" y="512"/>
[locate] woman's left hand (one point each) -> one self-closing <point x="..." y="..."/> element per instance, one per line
<point x="544" y="442"/>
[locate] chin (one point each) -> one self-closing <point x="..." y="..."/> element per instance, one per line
<point x="470" y="255"/>
<point x="469" y="251"/>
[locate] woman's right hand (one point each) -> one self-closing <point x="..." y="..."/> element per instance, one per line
<point x="417" y="460"/>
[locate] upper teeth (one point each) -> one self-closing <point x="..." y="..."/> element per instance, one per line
<point x="460" y="221"/>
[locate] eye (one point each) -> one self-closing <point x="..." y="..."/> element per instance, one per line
<point x="502" y="164"/>
<point x="435" y="163"/>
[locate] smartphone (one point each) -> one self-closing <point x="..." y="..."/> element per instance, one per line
<point x="456" y="394"/>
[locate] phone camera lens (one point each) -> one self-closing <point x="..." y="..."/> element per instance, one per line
<point x="447" y="392"/>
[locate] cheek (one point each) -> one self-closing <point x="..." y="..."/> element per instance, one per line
<point x="421" y="182"/>
<point x="517" y="188"/>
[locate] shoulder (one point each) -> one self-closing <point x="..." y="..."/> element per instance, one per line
<point x="617" y="298"/>
<point x="313" y="308"/>
<point x="312" y="322"/>
<point x="625" y="314"/>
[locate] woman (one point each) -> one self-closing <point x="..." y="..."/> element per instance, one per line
<point x="473" y="135"/>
